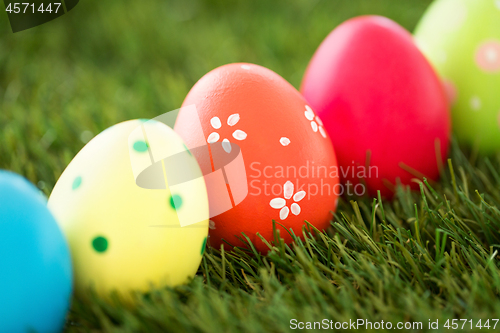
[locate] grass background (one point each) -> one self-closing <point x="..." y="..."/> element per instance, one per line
<point x="428" y="255"/>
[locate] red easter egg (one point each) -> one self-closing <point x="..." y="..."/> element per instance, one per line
<point x="381" y="102"/>
<point x="289" y="163"/>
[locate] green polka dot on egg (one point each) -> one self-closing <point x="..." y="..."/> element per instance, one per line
<point x="100" y="244"/>
<point x="140" y="146"/>
<point x="175" y="201"/>
<point x="76" y="183"/>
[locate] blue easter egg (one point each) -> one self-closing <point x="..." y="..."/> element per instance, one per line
<point x="35" y="263"/>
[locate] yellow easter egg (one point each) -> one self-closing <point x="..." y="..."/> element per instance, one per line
<point x="134" y="208"/>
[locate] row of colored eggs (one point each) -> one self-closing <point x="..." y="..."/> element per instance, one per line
<point x="98" y="230"/>
<point x="372" y="90"/>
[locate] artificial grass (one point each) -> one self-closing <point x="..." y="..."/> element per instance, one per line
<point x="428" y="255"/>
<point x="425" y="255"/>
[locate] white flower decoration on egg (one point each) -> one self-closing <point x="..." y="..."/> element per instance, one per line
<point x="217" y="124"/>
<point x="280" y="203"/>
<point x="316" y="123"/>
<point x="211" y="224"/>
<point x="285" y="141"/>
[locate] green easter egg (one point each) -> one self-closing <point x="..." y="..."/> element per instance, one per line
<point x="461" y="38"/>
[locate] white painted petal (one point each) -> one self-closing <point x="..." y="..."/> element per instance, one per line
<point x="319" y="121"/>
<point x="233" y="119"/>
<point x="308" y="108"/>
<point x="309" y="114"/>
<point x="284" y="212"/>
<point x="215" y="122"/>
<point x="295" y="209"/>
<point x="285" y="141"/>
<point x="239" y="135"/>
<point x="492" y="55"/>
<point x="278" y="203"/>
<point x="288" y="189"/>
<point x="314" y="126"/>
<point x="211" y="224"/>
<point x="226" y="145"/>
<point x="299" y="196"/>
<point x="213" y="137"/>
<point x="322" y="131"/>
<point x="475" y="103"/>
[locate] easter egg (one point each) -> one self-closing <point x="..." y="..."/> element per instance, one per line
<point x="123" y="218"/>
<point x="35" y="263"/>
<point x="461" y="38"/>
<point x="381" y="102"/>
<point x="289" y="165"/>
